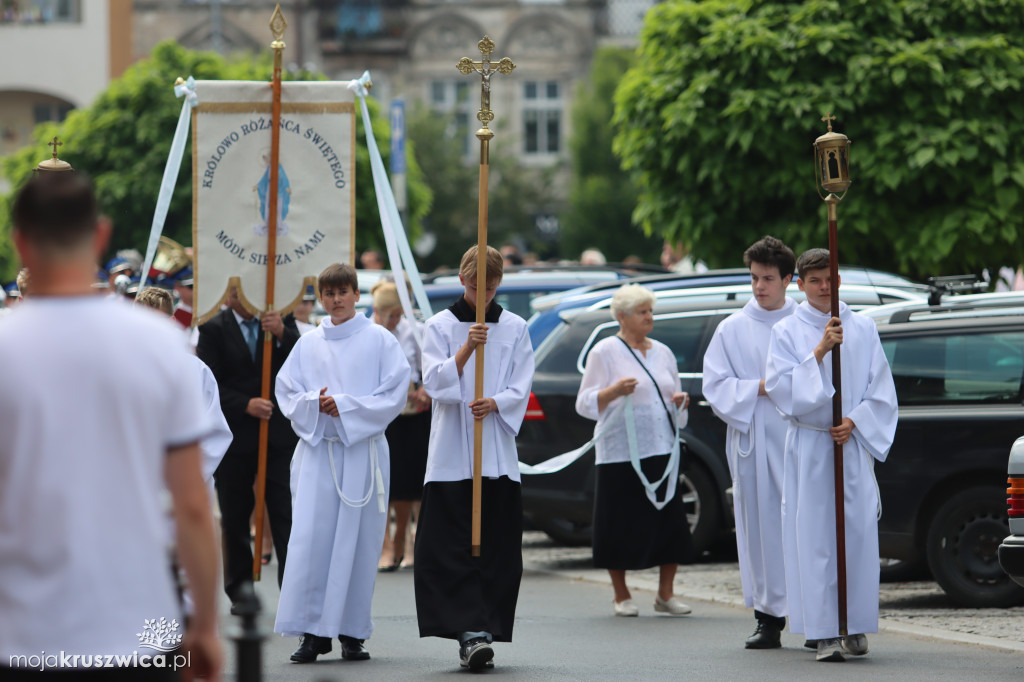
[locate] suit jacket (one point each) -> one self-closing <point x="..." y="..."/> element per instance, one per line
<point x="222" y="347"/>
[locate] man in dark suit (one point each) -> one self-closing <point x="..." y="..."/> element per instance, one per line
<point x="231" y="343"/>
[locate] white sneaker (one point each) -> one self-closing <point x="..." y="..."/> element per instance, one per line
<point x="856" y="645"/>
<point x="830" y="650"/>
<point x="625" y="608"/>
<point x="673" y="606"/>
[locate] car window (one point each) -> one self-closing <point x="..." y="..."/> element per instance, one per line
<point x="682" y="333"/>
<point x="958" y="368"/>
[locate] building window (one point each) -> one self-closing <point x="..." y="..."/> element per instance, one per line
<point x="452" y="98"/>
<point x="40" y="11"/>
<point x="542" y="117"/>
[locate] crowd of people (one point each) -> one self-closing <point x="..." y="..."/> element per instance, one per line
<point x="368" y="431"/>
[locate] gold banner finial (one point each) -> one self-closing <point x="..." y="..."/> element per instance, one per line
<point x="277" y="27"/>
<point x="485" y="67"/>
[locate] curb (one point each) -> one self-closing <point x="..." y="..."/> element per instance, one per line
<point x="713" y="597"/>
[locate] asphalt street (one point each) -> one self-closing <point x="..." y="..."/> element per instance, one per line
<point x="565" y="630"/>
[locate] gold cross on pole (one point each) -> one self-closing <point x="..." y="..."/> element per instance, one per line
<point x="486" y="68"/>
<point x="828" y="118"/>
<point x="56" y="143"/>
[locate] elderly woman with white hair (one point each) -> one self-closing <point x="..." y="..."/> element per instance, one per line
<point x="631" y="387"/>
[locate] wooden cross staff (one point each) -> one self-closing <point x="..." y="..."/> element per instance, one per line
<point x="486" y="69"/>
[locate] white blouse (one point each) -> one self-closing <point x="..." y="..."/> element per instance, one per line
<point x="611" y="360"/>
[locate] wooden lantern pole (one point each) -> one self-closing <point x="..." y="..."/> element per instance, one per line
<point x="277" y="27"/>
<point x="485" y="116"/>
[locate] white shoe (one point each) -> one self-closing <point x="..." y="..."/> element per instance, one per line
<point x="830" y="650"/>
<point x="673" y="606"/>
<point x="625" y="608"/>
<point x="856" y="645"/>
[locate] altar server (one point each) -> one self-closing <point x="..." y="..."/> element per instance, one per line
<point x="734" y="366"/>
<point x="799" y="381"/>
<point x="341" y="386"/>
<point x="459" y="596"/>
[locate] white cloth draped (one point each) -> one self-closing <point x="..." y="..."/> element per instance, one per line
<point x="734" y="366"/>
<point x="802" y="390"/>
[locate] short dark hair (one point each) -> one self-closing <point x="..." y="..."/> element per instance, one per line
<point x="338" y="275"/>
<point x="56" y="210"/>
<point x="771" y="251"/>
<point x="812" y="259"/>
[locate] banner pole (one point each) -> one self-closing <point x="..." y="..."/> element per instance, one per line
<point x="277" y="27"/>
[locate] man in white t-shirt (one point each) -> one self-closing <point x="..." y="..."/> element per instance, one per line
<point x="85" y="454"/>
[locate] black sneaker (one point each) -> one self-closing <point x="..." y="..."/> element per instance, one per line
<point x="311" y="646"/>
<point x="476" y="654"/>
<point x="352" y="649"/>
<point x="766" y="636"/>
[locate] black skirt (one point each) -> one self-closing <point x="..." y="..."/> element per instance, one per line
<point x="455" y="591"/>
<point x="629" y="533"/>
<point x="408" y="436"/>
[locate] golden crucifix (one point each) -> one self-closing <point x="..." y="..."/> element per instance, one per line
<point x="486" y="69"/>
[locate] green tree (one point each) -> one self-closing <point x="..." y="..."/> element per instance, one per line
<point x="515" y="195"/>
<point x="602" y="196"/>
<point x="717" y="119"/>
<point x="122" y="141"/>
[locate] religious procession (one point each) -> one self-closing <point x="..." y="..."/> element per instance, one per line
<point x="425" y="433"/>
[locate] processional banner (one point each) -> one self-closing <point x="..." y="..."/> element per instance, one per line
<point x="231" y="152"/>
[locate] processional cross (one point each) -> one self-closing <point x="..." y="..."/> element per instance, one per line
<point x="486" y="68"/>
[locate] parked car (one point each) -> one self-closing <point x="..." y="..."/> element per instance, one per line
<point x="546" y="309"/>
<point x="959" y="380"/>
<point x="1011" y="551"/>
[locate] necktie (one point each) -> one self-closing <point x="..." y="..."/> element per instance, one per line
<point x="250" y="336"/>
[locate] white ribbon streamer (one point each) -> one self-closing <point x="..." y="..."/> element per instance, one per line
<point x="399" y="253"/>
<point x="163" y="201"/>
<point x="559" y="462"/>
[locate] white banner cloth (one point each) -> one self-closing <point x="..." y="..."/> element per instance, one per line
<point x="231" y="197"/>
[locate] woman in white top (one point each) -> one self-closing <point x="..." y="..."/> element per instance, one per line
<point x="639" y="521"/>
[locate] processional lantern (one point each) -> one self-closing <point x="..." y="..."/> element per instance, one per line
<point x="832" y="164"/>
<point x="832" y="156"/>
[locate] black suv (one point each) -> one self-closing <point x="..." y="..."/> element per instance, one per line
<point x="960" y="382"/>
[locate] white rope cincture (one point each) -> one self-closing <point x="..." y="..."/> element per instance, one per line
<point x="375" y="477"/>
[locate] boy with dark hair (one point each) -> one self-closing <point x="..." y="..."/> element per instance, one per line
<point x="341" y="386"/>
<point x="798" y="379"/>
<point x="734" y="366"/>
<point x="458" y="596"/>
<point x="98" y="555"/>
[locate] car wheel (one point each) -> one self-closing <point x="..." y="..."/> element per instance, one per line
<point x="702" y="505"/>
<point x="962" y="548"/>
<point x="565" y="532"/>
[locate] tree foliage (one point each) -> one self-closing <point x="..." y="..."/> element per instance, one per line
<point x="515" y="194"/>
<point x="717" y="120"/>
<point x="602" y="196"/>
<point x="122" y="141"/>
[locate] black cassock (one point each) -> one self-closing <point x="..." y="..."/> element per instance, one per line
<point x="455" y="591"/>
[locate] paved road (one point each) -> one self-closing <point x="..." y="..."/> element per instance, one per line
<point x="565" y="631"/>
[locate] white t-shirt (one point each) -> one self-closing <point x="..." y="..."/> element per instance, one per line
<point x="93" y="394"/>
<point x="611" y="360"/>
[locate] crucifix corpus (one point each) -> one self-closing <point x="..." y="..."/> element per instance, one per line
<point x="486" y="69"/>
<point x="832" y="164"/>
